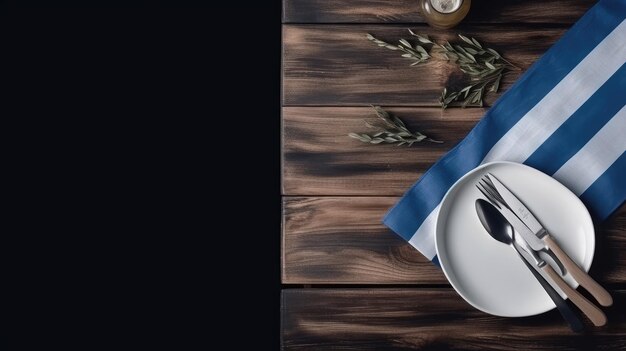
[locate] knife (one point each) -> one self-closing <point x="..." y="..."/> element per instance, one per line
<point x="568" y="314"/>
<point x="537" y="231"/>
<point x="595" y="315"/>
<point x="589" y="309"/>
<point x="499" y="229"/>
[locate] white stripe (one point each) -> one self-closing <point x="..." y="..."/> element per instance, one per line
<point x="424" y="238"/>
<point x="563" y="100"/>
<point x="590" y="162"/>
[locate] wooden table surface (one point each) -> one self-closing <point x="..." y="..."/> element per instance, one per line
<point x="350" y="283"/>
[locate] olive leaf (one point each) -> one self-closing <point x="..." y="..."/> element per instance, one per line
<point x="416" y="53"/>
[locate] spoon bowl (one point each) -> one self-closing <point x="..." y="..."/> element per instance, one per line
<point x="493" y="221"/>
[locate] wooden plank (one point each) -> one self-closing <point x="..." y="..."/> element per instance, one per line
<point x="341" y="240"/>
<point x="406" y="11"/>
<point x="428" y="319"/>
<point x="337" y="65"/>
<point x="320" y="159"/>
<point x="609" y="263"/>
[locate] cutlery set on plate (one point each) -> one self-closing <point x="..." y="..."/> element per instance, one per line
<point x="509" y="221"/>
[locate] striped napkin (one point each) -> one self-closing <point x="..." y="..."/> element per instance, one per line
<point x="566" y="116"/>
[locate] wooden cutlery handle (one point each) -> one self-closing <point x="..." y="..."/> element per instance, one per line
<point x="590" y="310"/>
<point x="566" y="311"/>
<point x="598" y="292"/>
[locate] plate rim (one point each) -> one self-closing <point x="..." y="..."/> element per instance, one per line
<point x="437" y="225"/>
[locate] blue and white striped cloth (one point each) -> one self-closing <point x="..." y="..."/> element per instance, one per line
<point x="566" y="116"/>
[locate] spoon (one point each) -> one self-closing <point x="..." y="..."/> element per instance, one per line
<point x="500" y="229"/>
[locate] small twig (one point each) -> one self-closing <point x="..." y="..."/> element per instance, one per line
<point x="391" y="130"/>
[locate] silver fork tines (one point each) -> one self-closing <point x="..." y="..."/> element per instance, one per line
<point x="487" y="195"/>
<point x="490" y="193"/>
<point x="489" y="184"/>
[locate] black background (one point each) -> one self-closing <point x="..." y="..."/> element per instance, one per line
<point x="137" y="131"/>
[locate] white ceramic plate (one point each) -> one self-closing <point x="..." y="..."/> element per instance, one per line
<point x="490" y="275"/>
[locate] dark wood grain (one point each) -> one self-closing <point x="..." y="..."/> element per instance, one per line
<point x="337" y="65"/>
<point x="609" y="261"/>
<point x="320" y="159"/>
<point x="406" y="11"/>
<point x="341" y="240"/>
<point x="429" y="319"/>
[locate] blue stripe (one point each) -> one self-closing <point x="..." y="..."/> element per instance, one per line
<point x="422" y="198"/>
<point x="580" y="127"/>
<point x="608" y="192"/>
<point x="435" y="260"/>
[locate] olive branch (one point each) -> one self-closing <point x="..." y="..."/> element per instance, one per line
<point x="484" y="66"/>
<point x="391" y="130"/>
